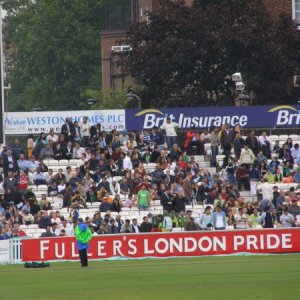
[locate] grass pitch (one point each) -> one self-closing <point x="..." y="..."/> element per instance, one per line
<point x="233" y="277"/>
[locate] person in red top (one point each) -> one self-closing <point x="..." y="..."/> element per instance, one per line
<point x="155" y="228"/>
<point x="23" y="182"/>
<point x="17" y="232"/>
<point x="189" y="136"/>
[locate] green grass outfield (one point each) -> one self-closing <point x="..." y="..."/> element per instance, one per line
<point x="232" y="277"/>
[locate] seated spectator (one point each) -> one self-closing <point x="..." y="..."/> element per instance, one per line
<point x="52" y="189"/>
<point x="126" y="227"/>
<point x="116" y="205"/>
<point x="297" y="175"/>
<point x="78" y="151"/>
<point x="38" y="177"/>
<point x="47" y="152"/>
<point x="23" y="163"/>
<point x="145" y="226"/>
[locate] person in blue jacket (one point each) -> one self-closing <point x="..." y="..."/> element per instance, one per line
<point x="83" y="236"/>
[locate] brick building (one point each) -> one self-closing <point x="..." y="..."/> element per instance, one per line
<point x="117" y="14"/>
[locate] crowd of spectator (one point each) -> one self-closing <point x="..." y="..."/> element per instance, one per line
<point x="112" y="170"/>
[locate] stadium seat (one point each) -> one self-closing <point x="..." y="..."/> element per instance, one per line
<point x="294" y="137"/>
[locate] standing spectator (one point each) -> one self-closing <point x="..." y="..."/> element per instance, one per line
<point x="254" y="176"/>
<point x="226" y="139"/>
<point x="95" y="131"/>
<point x="247" y="156"/>
<point x="68" y="130"/>
<point x="127" y="164"/>
<point x="265" y="144"/>
<point x="170" y="129"/>
<point x="252" y="142"/>
<point x="83" y="236"/>
<point x="238" y="144"/>
<point x="187" y="188"/>
<point x="214" y="142"/>
<point x="9" y="163"/>
<point x="205" y="221"/>
<point x="30" y="145"/>
<point x="266" y="218"/>
<point x="143" y="198"/>
<point x="157" y="138"/>
<point x="219" y="219"/>
<point x="85" y="130"/>
<point x="17" y="149"/>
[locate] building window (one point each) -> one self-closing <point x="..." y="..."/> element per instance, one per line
<point x="116" y="14"/>
<point x="296" y="11"/>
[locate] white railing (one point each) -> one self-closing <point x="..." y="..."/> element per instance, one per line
<point x="11" y="251"/>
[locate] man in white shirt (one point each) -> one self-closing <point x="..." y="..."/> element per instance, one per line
<point x="52" y="137"/>
<point x="170" y="129"/>
<point x="78" y="151"/>
<point x="85" y="131"/>
<point x="127" y="164"/>
<point x="286" y="219"/>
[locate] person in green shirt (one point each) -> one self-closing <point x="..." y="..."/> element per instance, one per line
<point x="143" y="198"/>
<point x="254" y="219"/>
<point x="83" y="236"/>
<point x="181" y="219"/>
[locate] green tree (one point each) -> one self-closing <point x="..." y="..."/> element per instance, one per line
<point x="190" y="53"/>
<point x="53" y="49"/>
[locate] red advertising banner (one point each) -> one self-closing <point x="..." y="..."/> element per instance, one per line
<point x="166" y="244"/>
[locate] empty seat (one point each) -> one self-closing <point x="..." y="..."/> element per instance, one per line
<point x="294" y="137"/>
<point x="63" y="162"/>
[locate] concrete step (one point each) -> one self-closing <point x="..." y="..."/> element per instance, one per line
<point x="204" y="164"/>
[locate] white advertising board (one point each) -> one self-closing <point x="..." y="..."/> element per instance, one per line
<point x="4" y="251"/>
<point x="37" y="122"/>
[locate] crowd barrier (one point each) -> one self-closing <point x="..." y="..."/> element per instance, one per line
<point x="166" y="245"/>
<point x="11" y="251"/>
<point x="155" y="245"/>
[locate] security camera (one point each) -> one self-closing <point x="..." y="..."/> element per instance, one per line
<point x="236" y="77"/>
<point x="239" y="86"/>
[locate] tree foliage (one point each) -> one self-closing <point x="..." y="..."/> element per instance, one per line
<point x="190" y="53"/>
<point x="53" y="49"/>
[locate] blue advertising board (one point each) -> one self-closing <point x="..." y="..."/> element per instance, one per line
<point x="268" y="116"/>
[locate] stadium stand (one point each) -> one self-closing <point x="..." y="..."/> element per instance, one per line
<point x="122" y="176"/>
